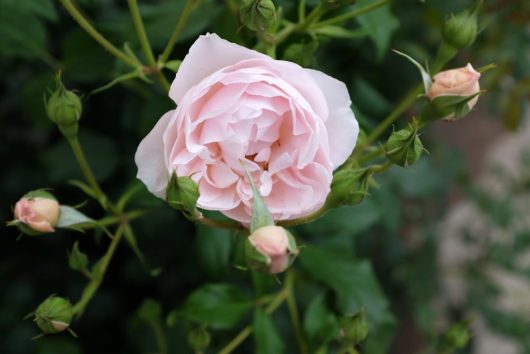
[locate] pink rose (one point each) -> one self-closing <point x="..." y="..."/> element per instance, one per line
<point x="40" y="214"/>
<point x="273" y="242"/>
<point x="290" y="126"/>
<point x="456" y="82"/>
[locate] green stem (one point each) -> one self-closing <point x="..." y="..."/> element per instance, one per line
<point x="98" y="274"/>
<point x="87" y="26"/>
<point x="158" y="329"/>
<point x="223" y="224"/>
<point x="295" y="317"/>
<point x="178" y="29"/>
<point x="87" y="171"/>
<point x="305" y="219"/>
<point x="388" y="121"/>
<point x="351" y="14"/>
<point x="247" y="331"/>
<point x="377" y="152"/>
<point x="112" y="220"/>
<point x="144" y="43"/>
<point x="301" y="11"/>
<point x="313" y="16"/>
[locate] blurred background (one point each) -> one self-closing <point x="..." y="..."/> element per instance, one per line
<point x="448" y="238"/>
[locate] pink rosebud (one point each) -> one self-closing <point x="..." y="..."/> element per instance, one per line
<point x="456" y="82"/>
<point x="40" y="214"/>
<point x="273" y="242"/>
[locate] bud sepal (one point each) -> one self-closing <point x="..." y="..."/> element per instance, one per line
<point x="64" y="108"/>
<point x="404" y="146"/>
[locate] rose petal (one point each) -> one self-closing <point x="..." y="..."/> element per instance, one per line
<point x="342" y="126"/>
<point x="208" y="54"/>
<point x="150" y="158"/>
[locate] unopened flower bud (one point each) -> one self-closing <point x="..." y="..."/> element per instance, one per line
<point x="460" y="30"/>
<point x="457" y="336"/>
<point x="258" y="15"/>
<point x="349" y="187"/>
<point x="404" y="147"/>
<point x="64" y="109"/>
<point x="199" y="339"/>
<point x="270" y="249"/>
<point x="37" y="211"/>
<point x="182" y="194"/>
<point x="54" y="315"/>
<point x="354" y="329"/>
<point x="454" y="92"/>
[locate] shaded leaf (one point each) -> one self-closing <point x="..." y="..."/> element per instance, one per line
<point x="266" y="338"/>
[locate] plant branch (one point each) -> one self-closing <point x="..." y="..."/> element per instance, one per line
<point x="178" y="29"/>
<point x="352" y="14"/>
<point x="223" y="224"/>
<point x="295" y="317"/>
<point x="98" y="273"/>
<point x="144" y="43"/>
<point x="87" y="26"/>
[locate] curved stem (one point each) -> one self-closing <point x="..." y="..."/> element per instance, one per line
<point x="87" y="26"/>
<point x="305" y="219"/>
<point x="87" y="171"/>
<point x="144" y="43"/>
<point x="98" y="274"/>
<point x="178" y="29"/>
<point x="352" y="14"/>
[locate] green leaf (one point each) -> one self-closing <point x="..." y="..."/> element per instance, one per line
<point x="220" y="306"/>
<point x="266" y="338"/>
<point x="353" y="281"/>
<point x="150" y="310"/>
<point x="425" y="76"/>
<point x="380" y="24"/>
<point x="320" y="323"/>
<point x="70" y="217"/>
<point x="213" y="247"/>
<point x="77" y="260"/>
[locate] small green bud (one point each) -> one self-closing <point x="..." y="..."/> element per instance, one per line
<point x="199" y="339"/>
<point x="150" y="310"/>
<point x="64" y="109"/>
<point x="258" y="15"/>
<point x="404" y="146"/>
<point x="54" y="315"/>
<point x="457" y="336"/>
<point x="354" y="329"/>
<point x="349" y="187"/>
<point x="460" y="30"/>
<point x="182" y="194"/>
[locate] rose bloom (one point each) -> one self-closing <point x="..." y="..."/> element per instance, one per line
<point x="290" y="127"/>
<point x="40" y="214"/>
<point x="273" y="242"/>
<point x="456" y="82"/>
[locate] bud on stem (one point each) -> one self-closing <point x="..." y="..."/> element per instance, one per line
<point x="257" y="15"/>
<point x="64" y="109"/>
<point x="54" y="315"/>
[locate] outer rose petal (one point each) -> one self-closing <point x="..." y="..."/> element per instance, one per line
<point x="152" y="168"/>
<point x="342" y="126"/>
<point x="208" y="54"/>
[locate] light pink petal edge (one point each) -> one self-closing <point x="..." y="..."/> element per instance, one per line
<point x="341" y="124"/>
<point x="149" y="158"/>
<point x="208" y="54"/>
